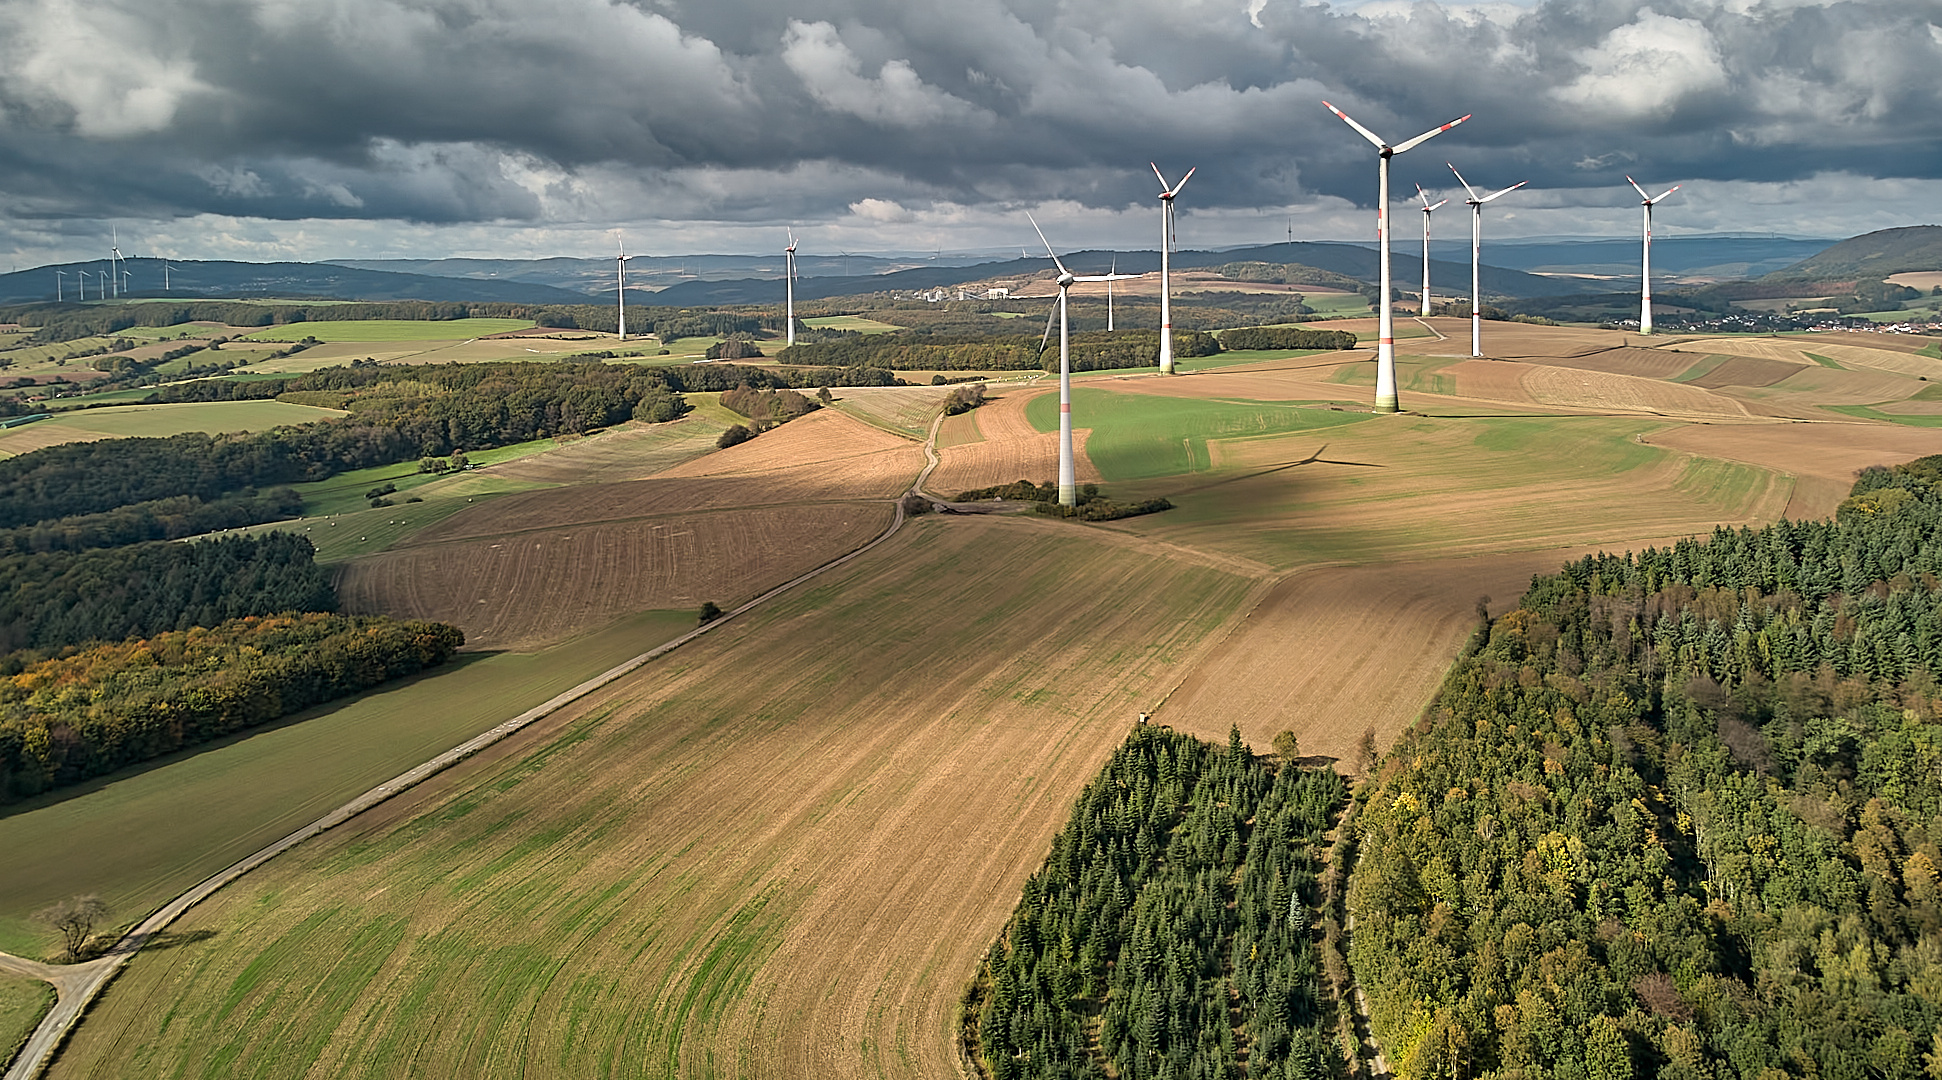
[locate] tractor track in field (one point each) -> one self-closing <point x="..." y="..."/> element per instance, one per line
<point x="76" y="986"/>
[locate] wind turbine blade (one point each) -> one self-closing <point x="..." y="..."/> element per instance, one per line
<point x="1047" y="336"/>
<point x="1637" y="188"/>
<point x="1465" y="183"/>
<point x="1164" y="186"/>
<point x="1428" y="135"/>
<point x="1668" y="191"/>
<point x="1107" y="277"/>
<point x="1183" y="181"/>
<point x="1506" y="191"/>
<point x="1439" y="205"/>
<point x="1366" y="133"/>
<point x="1423" y="195"/>
<point x="1047" y="243"/>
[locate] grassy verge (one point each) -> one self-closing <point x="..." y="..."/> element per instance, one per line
<point x="22" y="1003"/>
<point x="1824" y="361"/>
<point x="1868" y="412"/>
<point x="140" y="836"/>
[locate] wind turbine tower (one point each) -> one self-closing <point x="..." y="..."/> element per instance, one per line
<point x="1385" y="323"/>
<point x="620" y="279"/>
<point x="1068" y="485"/>
<point x="789" y="275"/>
<point x="1645" y="261"/>
<point x="114" y="260"/>
<point x="58" y="275"/>
<point x="1428" y="209"/>
<point x="1167" y="192"/>
<point x="165" y="274"/>
<point x="1476" y="256"/>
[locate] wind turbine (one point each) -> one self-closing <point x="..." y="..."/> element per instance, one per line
<point x="1645" y="262"/>
<point x="1167" y="192"/>
<point x="1068" y="487"/>
<point x="1476" y="255"/>
<point x="58" y="275"/>
<point x="165" y="274"/>
<point x="1385" y="327"/>
<point x="114" y="262"/>
<point x="620" y="279"/>
<point x="1111" y="276"/>
<point x="1428" y="209"/>
<point x="789" y="275"/>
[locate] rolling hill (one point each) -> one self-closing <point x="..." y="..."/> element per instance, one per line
<point x="1874" y="255"/>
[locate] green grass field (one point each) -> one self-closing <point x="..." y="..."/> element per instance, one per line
<point x="1869" y="412"/>
<point x="391" y="330"/>
<point x="22" y="1003"/>
<point x="1824" y="361"/>
<point x="852" y="322"/>
<point x="1338" y="305"/>
<point x="1144" y="437"/>
<point x="141" y="836"/>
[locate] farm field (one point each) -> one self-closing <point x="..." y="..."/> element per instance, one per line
<point x="360" y="330"/>
<point x="908" y="409"/>
<point x="137" y="421"/>
<point x="780" y="850"/>
<point x="709" y="867"/>
<point x="141" y="836"/>
<point x="857" y="323"/>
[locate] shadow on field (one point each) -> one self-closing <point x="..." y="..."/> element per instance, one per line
<point x="458" y="662"/>
<point x="1315" y="458"/>
<point x="174" y="939"/>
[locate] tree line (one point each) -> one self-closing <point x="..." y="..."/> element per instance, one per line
<point x="1089" y="351"/>
<point x="1678" y="815"/>
<point x="1286" y="337"/>
<point x="1175" y="908"/>
<point x="87" y="713"/>
<point x="65" y="322"/>
<point x="55" y="600"/>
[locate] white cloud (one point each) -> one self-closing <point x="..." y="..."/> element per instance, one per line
<point x="832" y="73"/>
<point x="1647" y="67"/>
<point x="103" y="66"/>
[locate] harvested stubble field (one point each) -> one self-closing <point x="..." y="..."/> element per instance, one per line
<point x="1585" y="389"/>
<point x="1012" y="449"/>
<point x="629" y="452"/>
<point x="1746" y="371"/>
<point x="908" y="409"/>
<point x="136" y="421"/>
<point x="823" y="452"/>
<point x="763" y="855"/>
<point x="1822" y="457"/>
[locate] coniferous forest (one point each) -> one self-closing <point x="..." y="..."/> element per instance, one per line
<point x="1169" y="934"/>
<point x="1678" y="815"/>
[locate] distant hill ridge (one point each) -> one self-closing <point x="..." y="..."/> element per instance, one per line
<point x="194" y="280"/>
<point x="1872" y="256"/>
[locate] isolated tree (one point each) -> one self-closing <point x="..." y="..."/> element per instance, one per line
<point x="75" y="918"/>
<point x="734" y="436"/>
<point x="709" y="612"/>
<point x="1286" y="748"/>
<point x="823" y="395"/>
<point x="1365" y="753"/>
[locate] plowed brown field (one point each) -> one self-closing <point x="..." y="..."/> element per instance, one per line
<point x="1747" y="371"/>
<point x="527" y="589"/>
<point x="1012" y="449"/>
<point x="1645" y="363"/>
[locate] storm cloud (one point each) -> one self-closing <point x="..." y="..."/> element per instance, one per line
<point x="928" y="114"/>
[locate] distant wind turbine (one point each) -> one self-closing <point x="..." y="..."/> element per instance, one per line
<point x="1068" y="486"/>
<point x="1111" y="275"/>
<point x="114" y="261"/>
<point x="58" y="275"/>
<point x="165" y="274"/>
<point x="1476" y="202"/>
<point x="789" y="275"/>
<point x="1167" y="192"/>
<point x="620" y="279"/>
<point x="1385" y="326"/>
<point x="1428" y="209"/>
<point x="1645" y="260"/>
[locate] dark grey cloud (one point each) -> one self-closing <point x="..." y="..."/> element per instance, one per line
<point x="452" y="111"/>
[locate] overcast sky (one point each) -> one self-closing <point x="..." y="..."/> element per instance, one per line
<point x="312" y="129"/>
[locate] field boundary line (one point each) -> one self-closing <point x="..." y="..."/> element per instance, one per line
<point x="82" y="983"/>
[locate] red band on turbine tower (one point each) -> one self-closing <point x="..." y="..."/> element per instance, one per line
<point x="1386" y="341"/>
<point x="1065" y="406"/>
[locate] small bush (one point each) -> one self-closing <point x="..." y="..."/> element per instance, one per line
<point x="914" y="504"/>
<point x="710" y="611"/>
<point x="734" y="436"/>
